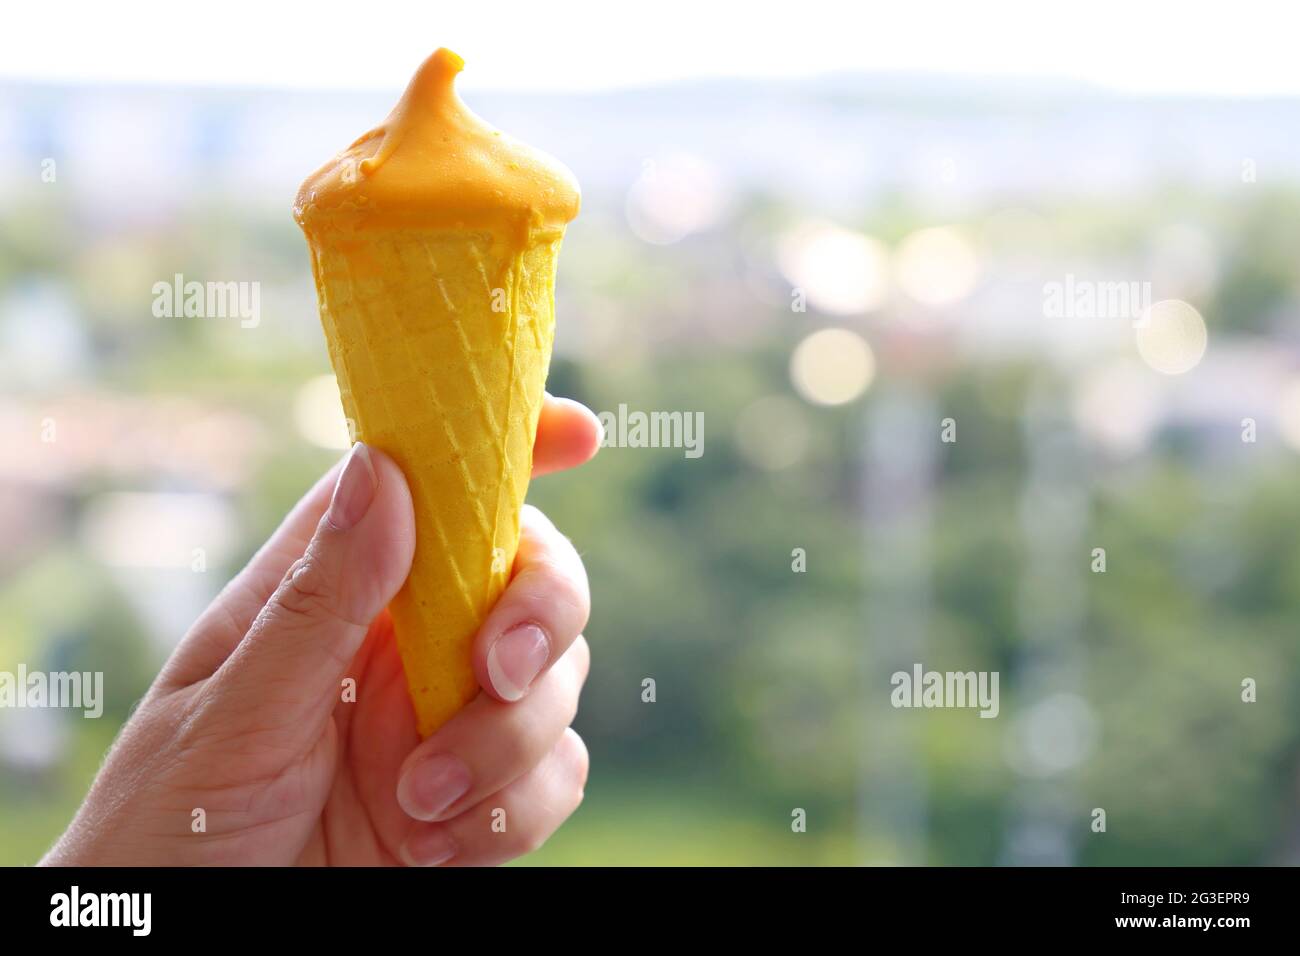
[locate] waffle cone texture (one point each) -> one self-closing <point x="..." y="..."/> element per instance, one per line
<point x="440" y="340"/>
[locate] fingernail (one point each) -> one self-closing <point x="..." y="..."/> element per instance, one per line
<point x="355" y="489"/>
<point x="429" y="848"/>
<point x="432" y="785"/>
<point x="516" y="659"/>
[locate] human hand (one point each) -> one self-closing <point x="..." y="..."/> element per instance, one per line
<point x="245" y="728"/>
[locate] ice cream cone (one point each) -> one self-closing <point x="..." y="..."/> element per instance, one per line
<point x="434" y="242"/>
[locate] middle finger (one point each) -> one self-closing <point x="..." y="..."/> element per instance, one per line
<point x="490" y="744"/>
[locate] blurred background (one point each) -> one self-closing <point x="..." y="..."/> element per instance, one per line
<point x="845" y="243"/>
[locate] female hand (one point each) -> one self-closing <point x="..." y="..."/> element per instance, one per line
<point x="245" y="752"/>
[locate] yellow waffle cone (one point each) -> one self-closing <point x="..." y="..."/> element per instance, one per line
<point x="444" y="371"/>
<point x="434" y="241"/>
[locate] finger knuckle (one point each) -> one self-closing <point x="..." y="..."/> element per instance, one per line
<point x="578" y="760"/>
<point x="522" y="744"/>
<point x="581" y="651"/>
<point x="303" y="592"/>
<point x="553" y="582"/>
<point x="523" y="837"/>
<point x="573" y="592"/>
<point x="307" y="595"/>
<point x="572" y="696"/>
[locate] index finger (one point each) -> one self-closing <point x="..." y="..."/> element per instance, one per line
<point x="568" y="433"/>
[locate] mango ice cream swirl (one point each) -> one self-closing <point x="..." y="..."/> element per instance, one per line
<point x="434" y="164"/>
<point x="435" y="241"/>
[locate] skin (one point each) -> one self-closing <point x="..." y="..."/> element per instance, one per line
<point x="246" y="722"/>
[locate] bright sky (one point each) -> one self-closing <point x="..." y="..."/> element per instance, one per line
<point x="1232" y="48"/>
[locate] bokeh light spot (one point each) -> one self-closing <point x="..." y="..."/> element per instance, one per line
<point x="1171" y="337"/>
<point x="937" y="266"/>
<point x="841" y="271"/>
<point x="832" y="367"/>
<point x="675" y="196"/>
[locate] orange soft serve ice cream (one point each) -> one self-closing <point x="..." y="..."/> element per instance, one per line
<point x="434" y="240"/>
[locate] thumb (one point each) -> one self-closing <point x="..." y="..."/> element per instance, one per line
<point x="285" y="674"/>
